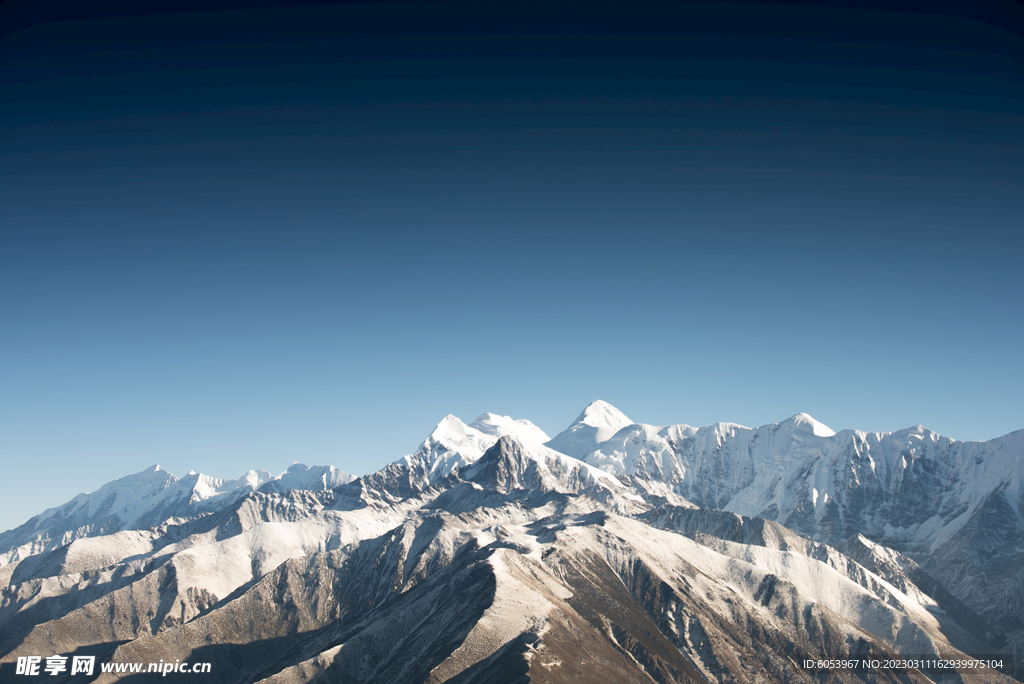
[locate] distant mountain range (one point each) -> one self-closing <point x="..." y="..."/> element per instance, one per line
<point x="615" y="551"/>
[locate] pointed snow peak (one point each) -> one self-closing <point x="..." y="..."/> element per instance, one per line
<point x="450" y="427"/>
<point x="598" y="422"/>
<point x="805" y="421"/>
<point x="602" y="414"/>
<point x="451" y="445"/>
<point x="153" y="472"/>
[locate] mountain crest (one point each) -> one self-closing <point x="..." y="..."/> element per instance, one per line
<point x="448" y="430"/>
<point x="600" y="413"/>
<point x="805" y="421"/>
<point x="598" y="423"/>
<point x="504" y="467"/>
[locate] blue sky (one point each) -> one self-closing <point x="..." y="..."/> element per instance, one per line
<point x="242" y="238"/>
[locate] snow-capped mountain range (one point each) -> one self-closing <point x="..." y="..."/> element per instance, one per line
<point x="152" y="498"/>
<point x="913" y="489"/>
<point x="496" y="553"/>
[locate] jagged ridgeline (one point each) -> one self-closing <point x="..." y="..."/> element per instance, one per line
<point x="614" y="552"/>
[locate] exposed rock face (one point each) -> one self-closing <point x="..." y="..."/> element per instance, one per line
<point x="513" y="562"/>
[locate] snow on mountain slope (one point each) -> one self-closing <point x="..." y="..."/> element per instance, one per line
<point x="149" y="499"/>
<point x="499" y="426"/>
<point x="950" y="504"/>
<point x="487" y="555"/>
<point x="133" y="583"/>
<point x="453" y="444"/>
<point x="598" y="422"/>
<point x="899" y="621"/>
<point x="511" y="465"/>
<point x="301" y="476"/>
<point x="913" y="488"/>
<point x="509" y="593"/>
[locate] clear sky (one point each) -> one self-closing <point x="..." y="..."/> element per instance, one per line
<point x="240" y="238"/>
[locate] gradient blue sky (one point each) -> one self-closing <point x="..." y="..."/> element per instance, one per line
<point x="239" y="238"/>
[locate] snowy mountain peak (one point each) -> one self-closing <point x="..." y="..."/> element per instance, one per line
<point x="511" y="464"/>
<point x="601" y="414"/>
<point x="453" y="444"/>
<point x="917" y="431"/>
<point x="805" y="421"/>
<point x="449" y="429"/>
<point x="598" y="422"/>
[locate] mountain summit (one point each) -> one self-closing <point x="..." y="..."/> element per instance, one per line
<point x="598" y="422"/>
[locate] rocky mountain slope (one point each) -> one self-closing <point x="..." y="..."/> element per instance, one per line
<point x="612" y="552"/>
<point x="956" y="507"/>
